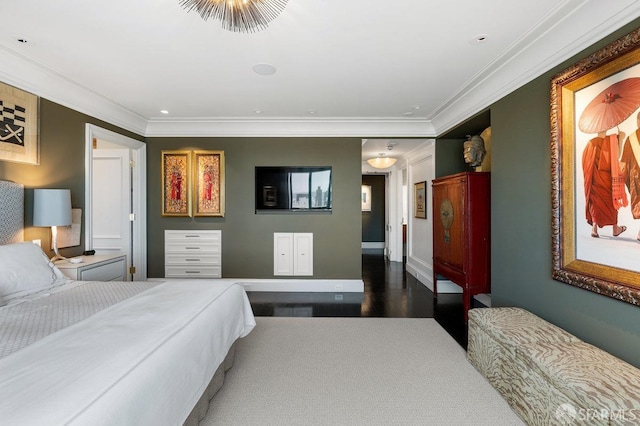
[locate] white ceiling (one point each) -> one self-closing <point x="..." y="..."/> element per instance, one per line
<point x="366" y="68"/>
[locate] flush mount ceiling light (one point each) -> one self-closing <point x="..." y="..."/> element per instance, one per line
<point x="245" y="16"/>
<point x="382" y="162"/>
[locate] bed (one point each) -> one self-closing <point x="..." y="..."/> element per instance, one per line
<point x="116" y="353"/>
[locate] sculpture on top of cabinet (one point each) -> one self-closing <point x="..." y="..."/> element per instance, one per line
<point x="474" y="151"/>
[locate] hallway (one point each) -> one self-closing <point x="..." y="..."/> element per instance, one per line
<point x="389" y="292"/>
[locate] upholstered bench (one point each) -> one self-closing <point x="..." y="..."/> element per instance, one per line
<point x="549" y="376"/>
<point x="574" y="383"/>
<point x="494" y="336"/>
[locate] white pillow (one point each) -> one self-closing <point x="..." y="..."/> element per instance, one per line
<point x="24" y="266"/>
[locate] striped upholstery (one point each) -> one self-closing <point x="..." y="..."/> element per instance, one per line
<point x="496" y="333"/>
<point x="576" y="379"/>
<point x="548" y="376"/>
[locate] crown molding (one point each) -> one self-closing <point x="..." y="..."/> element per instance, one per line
<point x="21" y="72"/>
<point x="582" y="21"/>
<point x="291" y="127"/>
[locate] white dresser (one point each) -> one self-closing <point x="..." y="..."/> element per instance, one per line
<point x="96" y="268"/>
<point x="192" y="254"/>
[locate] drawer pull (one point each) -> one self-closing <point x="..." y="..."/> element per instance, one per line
<point x="192" y="236"/>
<point x="192" y="248"/>
<point x="192" y="260"/>
<point x="192" y="272"/>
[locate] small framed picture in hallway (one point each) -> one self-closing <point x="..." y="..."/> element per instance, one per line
<point x="420" y="200"/>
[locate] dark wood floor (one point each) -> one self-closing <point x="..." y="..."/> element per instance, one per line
<point x="389" y="292"/>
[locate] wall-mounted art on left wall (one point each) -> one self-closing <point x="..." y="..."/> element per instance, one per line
<point x="176" y="187"/>
<point x="18" y="125"/>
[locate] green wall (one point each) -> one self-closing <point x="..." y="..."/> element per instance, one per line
<point x="373" y="221"/>
<point x="247" y="237"/>
<point x="450" y="157"/>
<point x="62" y="144"/>
<point x="521" y="225"/>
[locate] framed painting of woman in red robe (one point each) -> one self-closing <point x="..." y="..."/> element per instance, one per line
<point x="595" y="173"/>
<point x="176" y="187"/>
<point x="209" y="183"/>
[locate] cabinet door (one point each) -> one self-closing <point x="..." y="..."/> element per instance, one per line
<point x="282" y="253"/>
<point x="303" y="254"/>
<point x="449" y="220"/>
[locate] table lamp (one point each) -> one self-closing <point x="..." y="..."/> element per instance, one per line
<point x="52" y="207"/>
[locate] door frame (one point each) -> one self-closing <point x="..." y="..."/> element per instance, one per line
<point x="139" y="183"/>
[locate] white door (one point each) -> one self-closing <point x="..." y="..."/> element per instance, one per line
<point x="111" y="207"/>
<point x="303" y="253"/>
<point x="282" y="253"/>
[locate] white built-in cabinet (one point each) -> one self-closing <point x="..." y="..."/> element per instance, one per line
<point x="293" y="253"/>
<point x="193" y="254"/>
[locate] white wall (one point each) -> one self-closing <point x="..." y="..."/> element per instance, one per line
<point x="420" y="167"/>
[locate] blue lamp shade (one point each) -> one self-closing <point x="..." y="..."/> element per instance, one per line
<point x="51" y="207"/>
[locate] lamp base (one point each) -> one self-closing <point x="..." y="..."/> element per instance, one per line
<point x="57" y="257"/>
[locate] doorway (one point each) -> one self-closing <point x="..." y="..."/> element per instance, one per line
<point x="374" y="212"/>
<point x="115" y="197"/>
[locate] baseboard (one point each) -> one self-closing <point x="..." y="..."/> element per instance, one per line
<point x="373" y="245"/>
<point x="293" y="285"/>
<point x="298" y="285"/>
<point x="481" y="301"/>
<point x="444" y="286"/>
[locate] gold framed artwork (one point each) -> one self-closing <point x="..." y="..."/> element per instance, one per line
<point x="18" y="125"/>
<point x="176" y="183"/>
<point x="595" y="173"/>
<point x="209" y="183"/>
<point x="420" y="200"/>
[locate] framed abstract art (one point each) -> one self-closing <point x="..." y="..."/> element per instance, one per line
<point x="18" y="125"/>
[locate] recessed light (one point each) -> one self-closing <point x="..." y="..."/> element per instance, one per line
<point x="257" y="111"/>
<point x="408" y="114"/>
<point x="416" y="107"/>
<point x="479" y="39"/>
<point x="22" y="40"/>
<point x="164" y="111"/>
<point x="311" y="112"/>
<point x="264" y="69"/>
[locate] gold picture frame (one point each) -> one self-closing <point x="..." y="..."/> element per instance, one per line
<point x="420" y="200"/>
<point x="176" y="183"/>
<point x="18" y="125"/>
<point x="208" y="179"/>
<point x="586" y="140"/>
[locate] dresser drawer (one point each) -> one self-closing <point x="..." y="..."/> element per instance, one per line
<point x="113" y="271"/>
<point x="192" y="259"/>
<point x="191" y="236"/>
<point x="192" y="247"/>
<point x="96" y="268"/>
<point x="193" y="272"/>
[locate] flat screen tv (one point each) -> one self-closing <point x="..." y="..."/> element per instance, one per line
<point x="293" y="189"/>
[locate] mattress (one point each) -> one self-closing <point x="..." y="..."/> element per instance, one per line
<point x="142" y="354"/>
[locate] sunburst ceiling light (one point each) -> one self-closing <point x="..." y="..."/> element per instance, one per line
<point x="382" y="162"/>
<point x="246" y="16"/>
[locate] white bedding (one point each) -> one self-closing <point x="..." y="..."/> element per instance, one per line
<point x="144" y="361"/>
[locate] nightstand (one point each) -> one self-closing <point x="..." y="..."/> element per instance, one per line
<point x="99" y="267"/>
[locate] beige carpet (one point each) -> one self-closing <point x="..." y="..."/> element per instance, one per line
<point x="354" y="371"/>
